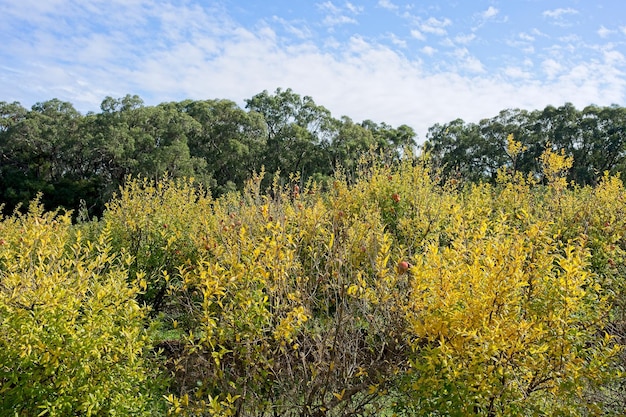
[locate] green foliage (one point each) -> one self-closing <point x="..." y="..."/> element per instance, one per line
<point x="54" y="150"/>
<point x="594" y="137"/>
<point x="391" y="287"/>
<point x="230" y="140"/>
<point x="390" y="293"/>
<point x="297" y="132"/>
<point x="72" y="335"/>
<point x="158" y="224"/>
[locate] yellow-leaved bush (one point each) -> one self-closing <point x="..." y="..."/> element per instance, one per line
<point x="72" y="337"/>
<point x="501" y="323"/>
<point x="387" y="293"/>
<point x="157" y="224"/>
<point x="293" y="308"/>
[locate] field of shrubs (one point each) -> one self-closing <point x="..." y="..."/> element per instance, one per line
<point x="383" y="292"/>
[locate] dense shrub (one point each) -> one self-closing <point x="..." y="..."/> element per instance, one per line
<point x="386" y="294"/>
<point x="389" y="293"/>
<point x="72" y="337"/>
<point x="158" y="225"/>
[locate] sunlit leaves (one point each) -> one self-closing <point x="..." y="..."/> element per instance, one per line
<point x="73" y="338"/>
<point x="391" y="291"/>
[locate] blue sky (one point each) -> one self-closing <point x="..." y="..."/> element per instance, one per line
<point x="395" y="61"/>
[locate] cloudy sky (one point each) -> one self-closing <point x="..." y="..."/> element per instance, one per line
<point x="394" y="61"/>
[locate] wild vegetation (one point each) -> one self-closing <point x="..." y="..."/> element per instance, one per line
<point x="389" y="287"/>
<point x="595" y="138"/>
<point x="68" y="157"/>
<point x="387" y="294"/>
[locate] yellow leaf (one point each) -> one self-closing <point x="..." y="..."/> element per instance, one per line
<point x="340" y="395"/>
<point x="353" y="289"/>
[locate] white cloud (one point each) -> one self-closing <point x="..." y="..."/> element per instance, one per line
<point x="570" y="39"/>
<point x="418" y="35"/>
<point x="538" y="32"/>
<point x="387" y="4"/>
<point x="473" y="64"/>
<point x="468" y="62"/>
<point x="559" y="13"/>
<point x="517" y="73"/>
<point x="435" y="26"/>
<point x="551" y="68"/>
<point x="298" y="29"/>
<point x="328" y="6"/>
<point x="604" y="32"/>
<point x="613" y="57"/>
<point x="428" y="50"/>
<point x="558" y="16"/>
<point x="354" y="9"/>
<point x="204" y="54"/>
<point x="337" y="16"/>
<point x="523" y="42"/>
<point x="334" y="20"/>
<point x="396" y="40"/>
<point x="464" y="39"/>
<point x="331" y="44"/>
<point x="447" y="42"/>
<point x="489" y="13"/>
<point x="526" y="37"/>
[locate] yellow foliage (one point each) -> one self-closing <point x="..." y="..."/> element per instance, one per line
<point x="499" y="313"/>
<point x="514" y="148"/>
<point x="289" y="302"/>
<point x="72" y="335"/>
<point x="554" y="166"/>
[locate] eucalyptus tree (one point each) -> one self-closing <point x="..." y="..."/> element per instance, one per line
<point x="389" y="140"/>
<point x="350" y="141"/>
<point x="149" y="141"/>
<point x="230" y="140"/>
<point x="13" y="165"/>
<point x="595" y="138"/>
<point x="297" y="131"/>
<point x="456" y="149"/>
<point x="602" y="146"/>
<point x="44" y="150"/>
<point x="610" y="153"/>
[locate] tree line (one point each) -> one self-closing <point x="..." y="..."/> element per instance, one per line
<point x="69" y="157"/>
<point x="66" y="156"/>
<point x="594" y="137"/>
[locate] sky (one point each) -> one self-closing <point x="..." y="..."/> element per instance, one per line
<point x="394" y="61"/>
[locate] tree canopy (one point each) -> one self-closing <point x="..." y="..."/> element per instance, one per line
<point x="68" y="157"/>
<point x="74" y="159"/>
<point x="595" y="138"/>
